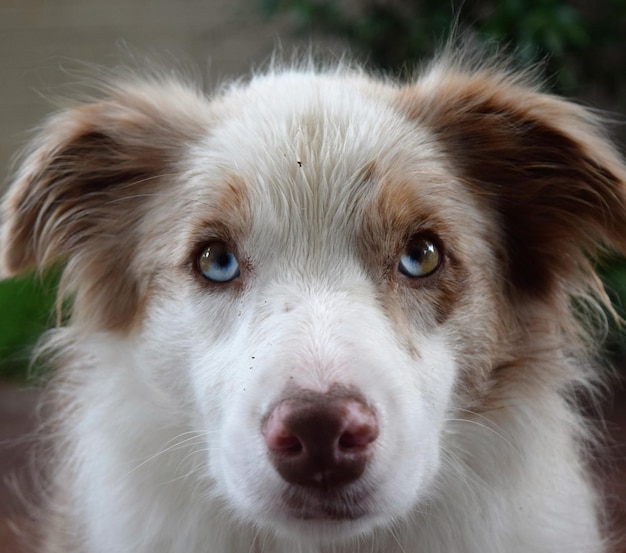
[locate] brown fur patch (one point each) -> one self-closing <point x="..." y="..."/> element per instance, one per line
<point x="80" y="197"/>
<point x="539" y="163"/>
<point x="399" y="210"/>
<point x="541" y="168"/>
<point x="218" y="211"/>
<point x="225" y="205"/>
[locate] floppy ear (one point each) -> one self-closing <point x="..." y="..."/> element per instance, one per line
<point x="541" y="163"/>
<point x="84" y="184"/>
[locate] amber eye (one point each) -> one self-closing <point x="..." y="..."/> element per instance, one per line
<point x="217" y="263"/>
<point x="420" y="258"/>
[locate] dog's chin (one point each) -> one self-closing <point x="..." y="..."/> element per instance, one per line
<point x="325" y="511"/>
<point x="322" y="527"/>
<point x="317" y="516"/>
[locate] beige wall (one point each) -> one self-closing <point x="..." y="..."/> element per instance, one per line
<point x="39" y="38"/>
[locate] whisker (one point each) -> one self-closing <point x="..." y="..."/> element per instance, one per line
<point x="487" y="427"/>
<point x="193" y="437"/>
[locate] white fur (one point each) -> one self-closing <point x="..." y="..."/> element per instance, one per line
<point x="163" y="451"/>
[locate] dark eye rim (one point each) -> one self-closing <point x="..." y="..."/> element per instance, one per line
<point x="197" y="254"/>
<point x="436" y="241"/>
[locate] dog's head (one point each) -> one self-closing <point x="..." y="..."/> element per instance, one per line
<point x="322" y="271"/>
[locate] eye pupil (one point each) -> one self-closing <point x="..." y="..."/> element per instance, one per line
<point x="421" y="258"/>
<point x="223" y="260"/>
<point x="217" y="263"/>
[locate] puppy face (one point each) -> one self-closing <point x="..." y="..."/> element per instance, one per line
<point x="313" y="268"/>
<point x="318" y="274"/>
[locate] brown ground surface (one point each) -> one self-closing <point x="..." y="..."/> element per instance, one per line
<point x="17" y="409"/>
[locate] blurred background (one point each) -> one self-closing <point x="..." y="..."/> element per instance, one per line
<point x="49" y="44"/>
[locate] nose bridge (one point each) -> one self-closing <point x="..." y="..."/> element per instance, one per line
<point x="332" y="310"/>
<point x="314" y="327"/>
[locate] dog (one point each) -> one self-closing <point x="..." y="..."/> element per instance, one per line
<point x="321" y="311"/>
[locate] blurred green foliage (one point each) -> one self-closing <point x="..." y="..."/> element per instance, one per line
<point x="26" y="311"/>
<point x="614" y="277"/>
<point x="582" y="44"/>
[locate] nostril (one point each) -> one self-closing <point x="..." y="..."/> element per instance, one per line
<point x="279" y="438"/>
<point x="287" y="445"/>
<point x="360" y="427"/>
<point x="354" y="441"/>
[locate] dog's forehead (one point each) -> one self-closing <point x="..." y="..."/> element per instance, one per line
<point x="304" y="145"/>
<point x="325" y="126"/>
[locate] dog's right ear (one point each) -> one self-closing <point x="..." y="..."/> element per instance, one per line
<point x="86" y="180"/>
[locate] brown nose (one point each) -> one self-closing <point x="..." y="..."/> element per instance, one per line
<point x="320" y="440"/>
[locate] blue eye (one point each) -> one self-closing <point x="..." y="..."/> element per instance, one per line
<point x="420" y="258"/>
<point x="217" y="263"/>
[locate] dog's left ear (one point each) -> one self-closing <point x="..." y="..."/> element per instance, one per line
<point x="542" y="164"/>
